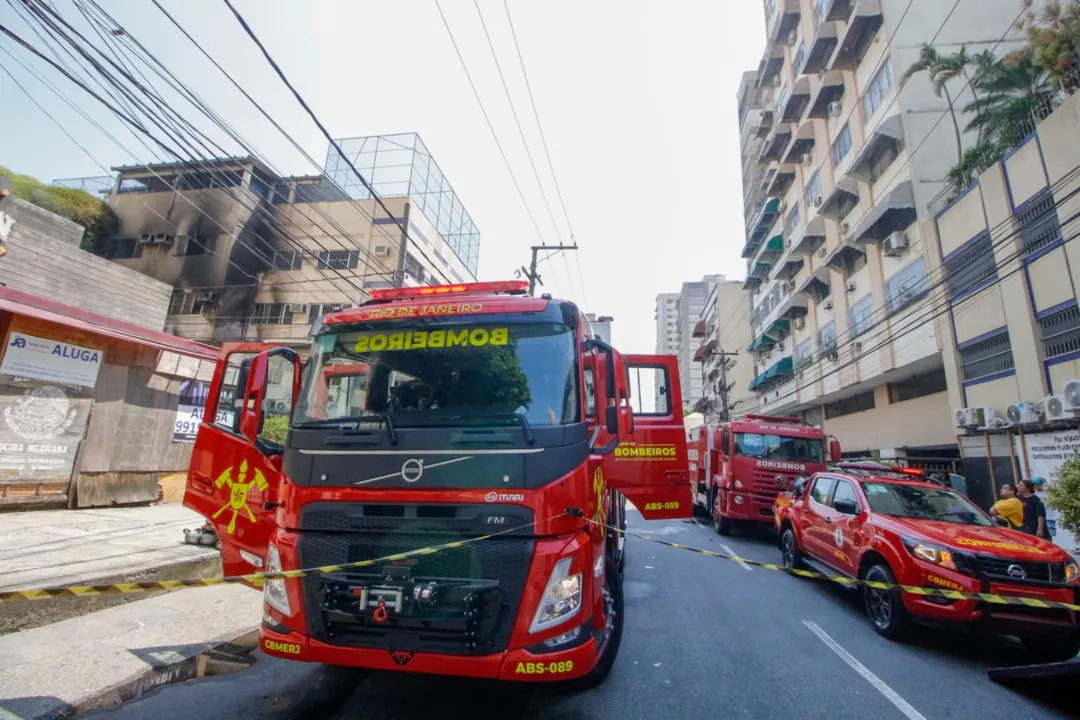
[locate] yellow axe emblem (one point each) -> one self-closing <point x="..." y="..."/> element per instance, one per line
<point x="238" y="492"/>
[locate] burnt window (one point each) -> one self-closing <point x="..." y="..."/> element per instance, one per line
<point x="286" y="260"/>
<point x="919" y="386"/>
<point x="849" y="406"/>
<point x="123" y="249"/>
<point x="199" y="245"/>
<point x="338" y="260"/>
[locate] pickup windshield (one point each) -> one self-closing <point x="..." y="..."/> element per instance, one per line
<point x="923" y="503"/>
<point x="435" y="374"/>
<point x="778" y="447"/>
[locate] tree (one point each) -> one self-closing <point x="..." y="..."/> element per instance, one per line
<point x="98" y="220"/>
<point x="941" y="69"/>
<point x="1064" y="495"/>
<point x="1054" y="39"/>
<point x="1014" y="94"/>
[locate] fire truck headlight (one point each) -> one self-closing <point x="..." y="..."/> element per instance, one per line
<point x="274" y="593"/>
<point x="1072" y="571"/>
<point x="738" y="484"/>
<point x="738" y="499"/>
<point x="562" y="598"/>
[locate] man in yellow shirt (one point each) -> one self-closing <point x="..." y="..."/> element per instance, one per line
<point x="1009" y="508"/>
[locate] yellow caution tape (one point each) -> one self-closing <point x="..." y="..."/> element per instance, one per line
<point x="843" y="580"/>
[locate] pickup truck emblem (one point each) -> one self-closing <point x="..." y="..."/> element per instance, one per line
<point x="412" y="470"/>
<point x="1017" y="572"/>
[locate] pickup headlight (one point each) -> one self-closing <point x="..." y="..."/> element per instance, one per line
<point x="1072" y="571"/>
<point x="562" y="598"/>
<point x="931" y="553"/>
<point x="274" y="593"/>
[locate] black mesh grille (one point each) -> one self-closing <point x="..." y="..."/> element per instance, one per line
<point x="1032" y="570"/>
<point x="496" y="569"/>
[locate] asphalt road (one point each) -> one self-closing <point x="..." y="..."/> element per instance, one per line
<point x="705" y="638"/>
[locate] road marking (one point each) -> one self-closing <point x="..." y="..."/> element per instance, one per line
<point x="735" y="557"/>
<point x="901" y="704"/>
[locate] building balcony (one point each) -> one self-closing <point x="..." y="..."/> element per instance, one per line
<point x="830" y="10"/>
<point x="801" y="146"/>
<point x="816" y="282"/>
<point x="776" y="143"/>
<point x="761" y="225"/>
<point x="862" y="26"/>
<point x="767" y="120"/>
<point x="784" y="22"/>
<point x="841" y="199"/>
<point x="699" y="329"/>
<point x="811" y="238"/>
<point x="778" y="373"/>
<point x="830" y="89"/>
<point x="843" y="255"/>
<point x="821" y="48"/>
<point x="781" y="180"/>
<point x="769" y="69"/>
<point x="794" y="105"/>
<point x="887" y="137"/>
<point x="896" y="211"/>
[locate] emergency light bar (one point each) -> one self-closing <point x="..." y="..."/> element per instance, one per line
<point x="507" y="287"/>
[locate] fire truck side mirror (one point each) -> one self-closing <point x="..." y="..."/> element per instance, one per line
<point x="834" y="450"/>
<point x="252" y="378"/>
<point x="610" y="395"/>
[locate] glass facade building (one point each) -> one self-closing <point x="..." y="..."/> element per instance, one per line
<point x="402" y="166"/>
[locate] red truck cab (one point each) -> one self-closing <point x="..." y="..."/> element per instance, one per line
<point x="738" y="468"/>
<point x="430" y="417"/>
<point x="871" y="522"/>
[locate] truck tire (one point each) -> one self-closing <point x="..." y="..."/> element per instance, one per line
<point x="1053" y="649"/>
<point x="885" y="608"/>
<point x="789" y="548"/>
<point x="720" y="523"/>
<point x="613" y="589"/>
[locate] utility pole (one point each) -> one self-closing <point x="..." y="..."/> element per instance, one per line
<point x="725" y="409"/>
<point x="530" y="272"/>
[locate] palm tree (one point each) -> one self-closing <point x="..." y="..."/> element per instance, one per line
<point x="1013" y="96"/>
<point x="941" y="69"/>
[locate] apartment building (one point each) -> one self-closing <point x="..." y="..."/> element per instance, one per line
<point x="256" y="256"/>
<point x="667" y="321"/>
<point x="1011" y="322"/>
<point x="601" y="326"/>
<point x="725" y="365"/>
<point x="840" y="164"/>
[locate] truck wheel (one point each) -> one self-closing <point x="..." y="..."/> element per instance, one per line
<point x="721" y="524"/>
<point x="613" y="600"/>
<point x="1053" y="649"/>
<point x="789" y="547"/>
<point x="885" y="608"/>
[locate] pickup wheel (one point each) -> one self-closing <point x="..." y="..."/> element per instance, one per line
<point x="885" y="608"/>
<point x="1053" y="649"/>
<point x="613" y="608"/>
<point x="789" y="548"/>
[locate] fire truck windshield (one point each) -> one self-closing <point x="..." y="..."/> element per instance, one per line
<point x="436" y="374"/>
<point x="778" y="447"/>
<point x="922" y="502"/>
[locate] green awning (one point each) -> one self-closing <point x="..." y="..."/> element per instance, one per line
<point x="764" y="220"/>
<point x="781" y="367"/>
<point x="760" y="269"/>
<point x="751" y="282"/>
<point x="775" y="244"/>
<point x="772" y="207"/>
<point x="760" y="342"/>
<point x="779" y="327"/>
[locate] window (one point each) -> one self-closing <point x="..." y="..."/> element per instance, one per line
<point x="338" y="260"/>
<point x="199" y="245"/>
<point x="826" y="337"/>
<point x="923" y="503"/>
<point x="316" y="311"/>
<point x="778" y="447"/>
<point x="804" y="354"/>
<point x="123" y="249"/>
<point x="820" y="8"/>
<point x="887" y="150"/>
<point x="799" y="60"/>
<point x="1060" y="332"/>
<point x="792" y="221"/>
<point x="919" y="386"/>
<point x="860" y="316"/>
<point x="414" y="268"/>
<point x="270" y="314"/>
<point x="651" y="376"/>
<point x="781" y="98"/>
<point x="813" y="416"/>
<point x="822" y="487"/>
<point x="1038" y="222"/>
<point x="986" y="357"/>
<point x="877" y="90"/>
<point x="813" y="191"/>
<point x="277" y="406"/>
<point x="970" y="267"/>
<point x="845" y="203"/>
<point x="852" y="262"/>
<point x="844" y="491"/>
<point x="228" y="403"/>
<point x="590" y="393"/>
<point x="906" y="286"/>
<point x="183" y="303"/>
<point x="842" y="146"/>
<point x="286" y="260"/>
<point x="849" y="406"/>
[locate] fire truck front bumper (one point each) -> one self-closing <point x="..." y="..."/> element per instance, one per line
<point x="515" y="665"/>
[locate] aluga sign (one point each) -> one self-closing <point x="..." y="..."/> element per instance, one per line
<point x="429" y="416"/>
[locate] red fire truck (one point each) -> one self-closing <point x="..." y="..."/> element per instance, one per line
<point x="738" y="467"/>
<point x="456" y="412"/>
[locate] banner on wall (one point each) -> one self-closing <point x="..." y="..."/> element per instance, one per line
<point x="190" y="411"/>
<point x="50" y="361"/>
<point x="41" y="427"/>
<point x="1045" y="454"/>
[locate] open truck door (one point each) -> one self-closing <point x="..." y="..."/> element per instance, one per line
<point x="235" y="474"/>
<point x="640" y="432"/>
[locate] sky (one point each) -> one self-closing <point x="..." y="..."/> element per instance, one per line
<point x="637" y="100"/>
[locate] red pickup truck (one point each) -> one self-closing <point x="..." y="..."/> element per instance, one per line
<point x="872" y="522"/>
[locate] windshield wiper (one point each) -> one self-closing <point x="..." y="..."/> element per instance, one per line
<point x="355" y="421"/>
<point x="526" y="426"/>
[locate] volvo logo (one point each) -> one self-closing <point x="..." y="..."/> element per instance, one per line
<point x="412" y="470"/>
<point x="781" y="481"/>
<point x="1017" y="572"/>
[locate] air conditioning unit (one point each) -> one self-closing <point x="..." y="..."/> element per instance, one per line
<point x="776" y="81"/>
<point x="856" y="346"/>
<point x="156" y="239"/>
<point x="768" y="356"/>
<point x="844" y="228"/>
<point x="895" y="244"/>
<point x="833" y="355"/>
<point x="850" y="286"/>
<point x="296" y="308"/>
<point x="818" y="201"/>
<point x="800" y="323"/>
<point x="205" y="297"/>
<point x="827" y="304"/>
<point x="992" y="419"/>
<point x="834" y="109"/>
<point x="792" y="37"/>
<point x="1053" y="407"/>
<point x="807" y="159"/>
<point x="823" y="251"/>
<point x="783" y="206"/>
<point x="1024" y="413"/>
<point x="382" y="250"/>
<point x="969" y="417"/>
<point x="1071" y="397"/>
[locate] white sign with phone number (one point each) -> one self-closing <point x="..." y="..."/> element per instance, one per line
<point x="188" y="419"/>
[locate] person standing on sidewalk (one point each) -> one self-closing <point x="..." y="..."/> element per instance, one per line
<point x="1034" y="510"/>
<point x="1009" y="511"/>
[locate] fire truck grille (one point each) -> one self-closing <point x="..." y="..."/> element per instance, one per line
<point x="1054" y="572"/>
<point x="460" y="601"/>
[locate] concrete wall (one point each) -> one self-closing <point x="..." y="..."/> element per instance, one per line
<point x="923" y="421"/>
<point x="44" y="258"/>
